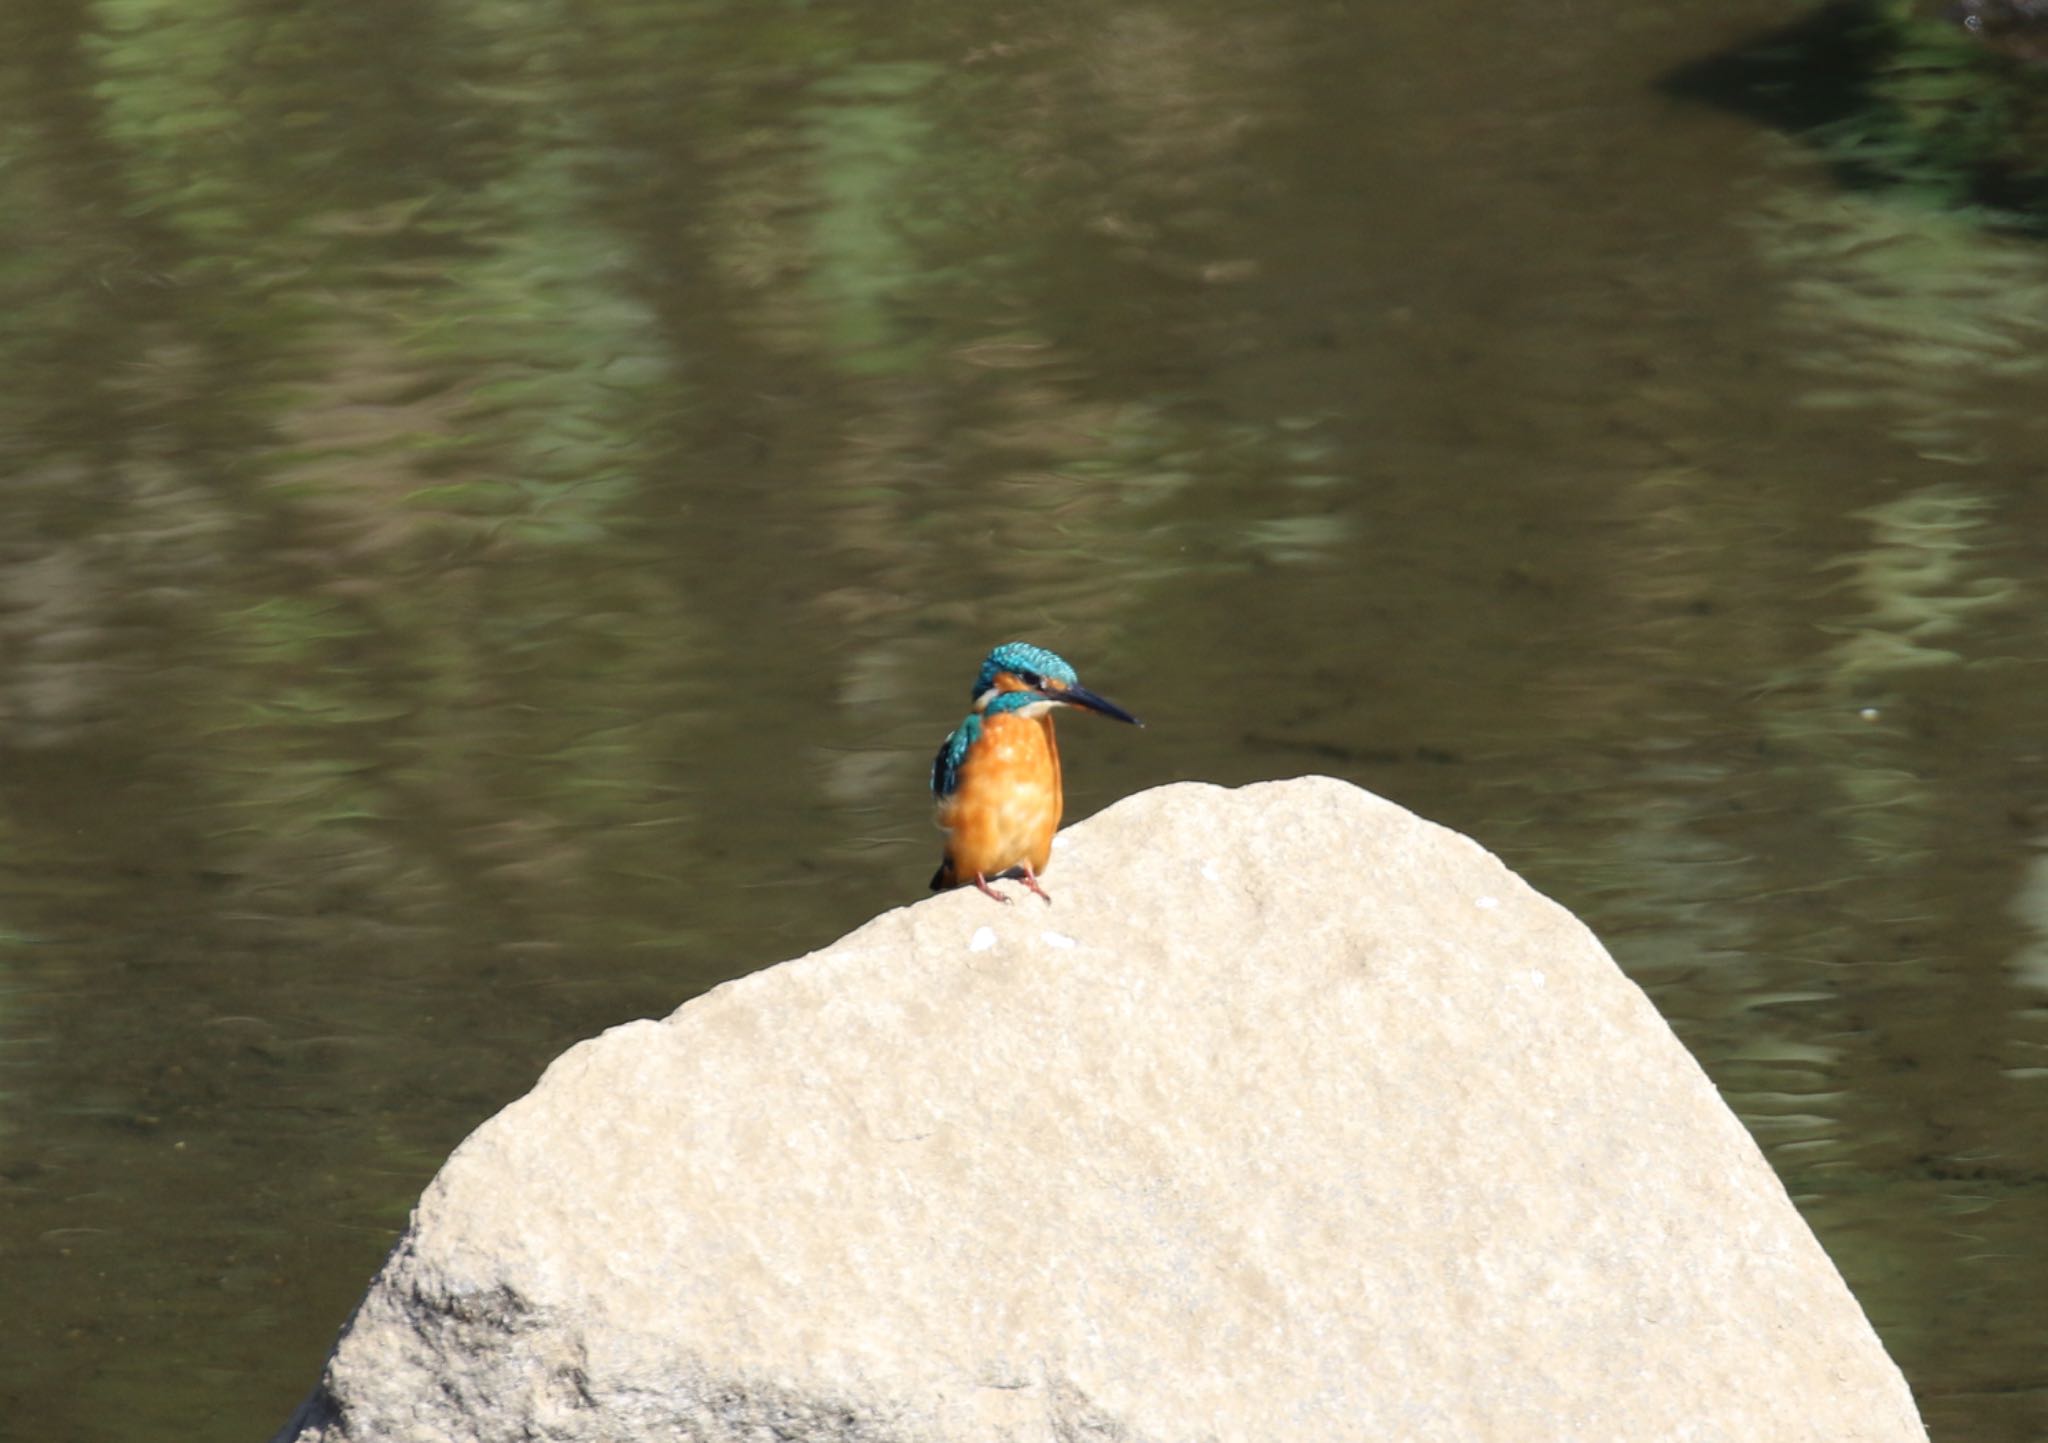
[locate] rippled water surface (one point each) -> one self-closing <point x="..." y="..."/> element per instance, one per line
<point x="501" y="499"/>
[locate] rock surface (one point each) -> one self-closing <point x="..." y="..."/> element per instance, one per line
<point x="1294" y="1118"/>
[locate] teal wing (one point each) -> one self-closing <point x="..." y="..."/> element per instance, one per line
<point x="952" y="752"/>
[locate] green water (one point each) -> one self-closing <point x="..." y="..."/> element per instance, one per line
<point x="498" y="502"/>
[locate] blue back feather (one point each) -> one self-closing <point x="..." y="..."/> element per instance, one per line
<point x="953" y="750"/>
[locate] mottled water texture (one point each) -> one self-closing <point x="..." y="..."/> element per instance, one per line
<point x="498" y="499"/>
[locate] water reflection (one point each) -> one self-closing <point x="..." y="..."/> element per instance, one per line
<point x="1920" y="585"/>
<point x="501" y="507"/>
<point x="1923" y="316"/>
<point x="2030" y="909"/>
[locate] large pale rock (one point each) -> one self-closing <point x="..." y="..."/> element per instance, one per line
<point x="1294" y="1118"/>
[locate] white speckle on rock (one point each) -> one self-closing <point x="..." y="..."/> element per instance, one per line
<point x="1488" y="903"/>
<point x="983" y="939"/>
<point x="1058" y="939"/>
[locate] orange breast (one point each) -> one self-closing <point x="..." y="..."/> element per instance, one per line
<point x="1007" y="803"/>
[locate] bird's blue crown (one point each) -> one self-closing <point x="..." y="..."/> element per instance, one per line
<point x="1025" y="660"/>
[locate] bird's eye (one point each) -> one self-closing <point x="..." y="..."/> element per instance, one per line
<point x="1030" y="679"/>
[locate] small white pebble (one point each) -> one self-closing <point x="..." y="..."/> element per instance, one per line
<point x="983" y="939"/>
<point x="1869" y="713"/>
<point x="1488" y="904"/>
<point x="1057" y="939"/>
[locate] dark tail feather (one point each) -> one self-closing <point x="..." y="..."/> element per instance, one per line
<point x="943" y="878"/>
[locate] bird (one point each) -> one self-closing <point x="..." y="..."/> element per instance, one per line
<point x="996" y="779"/>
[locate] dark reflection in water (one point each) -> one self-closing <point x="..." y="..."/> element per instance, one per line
<point x="500" y="501"/>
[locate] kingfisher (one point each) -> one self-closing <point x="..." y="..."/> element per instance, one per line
<point x="997" y="777"/>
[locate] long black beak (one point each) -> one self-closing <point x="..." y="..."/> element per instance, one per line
<point x="1081" y="696"/>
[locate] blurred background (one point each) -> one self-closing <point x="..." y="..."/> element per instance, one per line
<point x="499" y="500"/>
